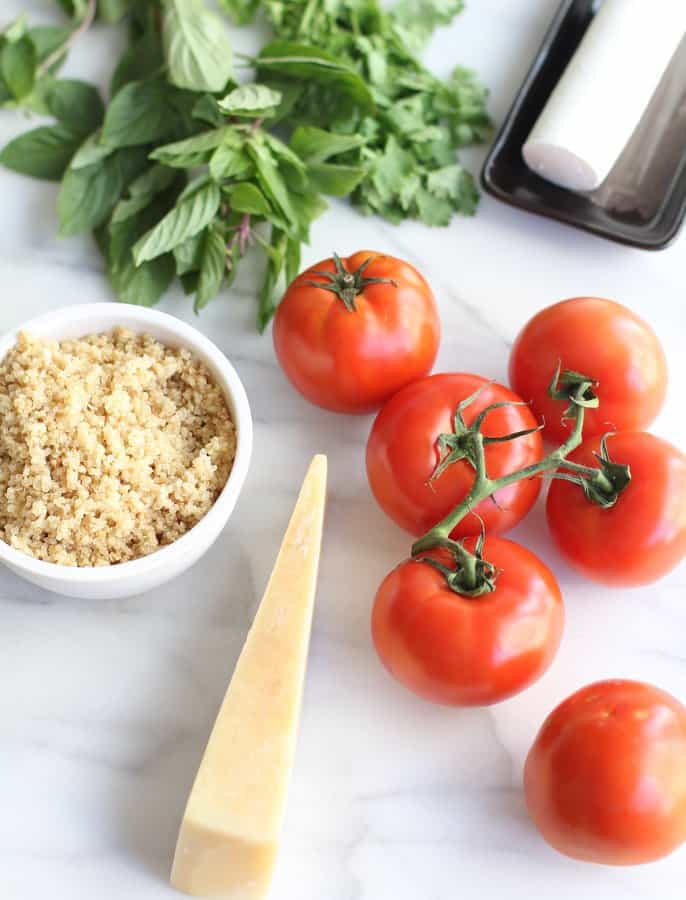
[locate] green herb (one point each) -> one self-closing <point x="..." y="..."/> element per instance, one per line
<point x="184" y="169"/>
<point x="419" y="121"/>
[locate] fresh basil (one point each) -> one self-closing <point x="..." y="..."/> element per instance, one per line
<point x="143" y="59"/>
<point x="193" y="151"/>
<point x="75" y="104"/>
<point x="142" y="112"/>
<point x="212" y="267"/>
<point x="230" y="161"/>
<point x="315" y="145"/>
<point x="196" y="47"/>
<point x="251" y="100"/>
<point x="18" y="60"/>
<point x="246" y="198"/>
<point x="338" y="181"/>
<point x="91" y="151"/>
<point x="305" y="62"/>
<point x="187" y="218"/>
<point x="42" y="153"/>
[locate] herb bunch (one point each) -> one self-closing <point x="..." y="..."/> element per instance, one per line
<point x="184" y="169"/>
<point x="415" y="123"/>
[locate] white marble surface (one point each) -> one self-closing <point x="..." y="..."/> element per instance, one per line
<point x="105" y="707"/>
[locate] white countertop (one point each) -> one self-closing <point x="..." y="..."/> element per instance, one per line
<point x="105" y="707"/>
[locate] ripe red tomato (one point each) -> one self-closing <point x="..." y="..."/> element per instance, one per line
<point x="469" y="651"/>
<point x="601" y="339"/>
<point x="643" y="536"/>
<point x="349" y="351"/>
<point x="403" y="452"/>
<point x="605" y="780"/>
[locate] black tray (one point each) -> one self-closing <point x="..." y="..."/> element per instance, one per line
<point x="506" y="175"/>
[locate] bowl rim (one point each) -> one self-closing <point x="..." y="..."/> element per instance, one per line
<point x="207" y="528"/>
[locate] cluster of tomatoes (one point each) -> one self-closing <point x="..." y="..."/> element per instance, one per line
<point x="471" y="617"/>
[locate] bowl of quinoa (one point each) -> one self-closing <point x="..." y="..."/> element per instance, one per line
<point x="125" y="439"/>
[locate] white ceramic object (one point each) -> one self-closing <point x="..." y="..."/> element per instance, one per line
<point x="128" y="578"/>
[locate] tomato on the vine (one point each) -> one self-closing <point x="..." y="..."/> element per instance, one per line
<point x="605" y="341"/>
<point x="605" y="780"/>
<point x="350" y="333"/>
<point x="403" y="452"/>
<point x="643" y="536"/>
<point x="469" y="651"/>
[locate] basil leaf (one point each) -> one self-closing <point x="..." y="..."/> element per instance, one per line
<point x="141" y="60"/>
<point x="247" y="198"/>
<point x="18" y="62"/>
<point x="196" y="47"/>
<point x="304" y="62"/>
<point x="197" y="184"/>
<point x="193" y="151"/>
<point x="251" y="101"/>
<point x="142" y="112"/>
<point x="338" y="181"/>
<point x="189" y="282"/>
<point x="88" y="195"/>
<point x="316" y="145"/>
<point x="42" y="153"/>
<point x="207" y="110"/>
<point x="75" y="103"/>
<point x="187" y="218"/>
<point x="229" y="161"/>
<point x="275" y="262"/>
<point x="293" y="168"/>
<point x="142" y="285"/>
<point x="91" y="151"/>
<point x="212" y="268"/>
<point x="271" y="182"/>
<point x="187" y="254"/>
<point x="153" y="181"/>
<point x="156" y="180"/>
<point x="292" y="260"/>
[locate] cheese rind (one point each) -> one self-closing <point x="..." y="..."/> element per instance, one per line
<point x="229" y="835"/>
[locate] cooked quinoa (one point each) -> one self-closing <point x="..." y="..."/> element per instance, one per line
<point x="111" y="446"/>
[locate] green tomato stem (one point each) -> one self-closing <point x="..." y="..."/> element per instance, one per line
<point x="484" y="487"/>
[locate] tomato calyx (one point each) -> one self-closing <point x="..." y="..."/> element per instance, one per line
<point x="472" y="575"/>
<point x="602" y="485"/>
<point x="460" y="444"/>
<point x="347" y="285"/>
<point x="575" y="388"/>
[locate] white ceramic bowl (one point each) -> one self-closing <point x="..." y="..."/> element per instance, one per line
<point x="128" y="578"/>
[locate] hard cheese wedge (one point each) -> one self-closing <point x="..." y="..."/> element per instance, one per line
<point x="229" y="834"/>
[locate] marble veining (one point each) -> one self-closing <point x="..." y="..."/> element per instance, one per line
<point x="105" y="707"/>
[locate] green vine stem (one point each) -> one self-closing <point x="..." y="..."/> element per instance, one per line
<point x="600" y="485"/>
<point x="64" y="48"/>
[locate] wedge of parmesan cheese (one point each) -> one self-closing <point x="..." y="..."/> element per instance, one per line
<point x="230" y="831"/>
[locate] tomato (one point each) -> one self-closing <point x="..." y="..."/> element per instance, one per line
<point x="605" y="780"/>
<point x="351" y="346"/>
<point x="402" y="453"/>
<point x="601" y="339"/>
<point x="641" y="537"/>
<point x="469" y="651"/>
